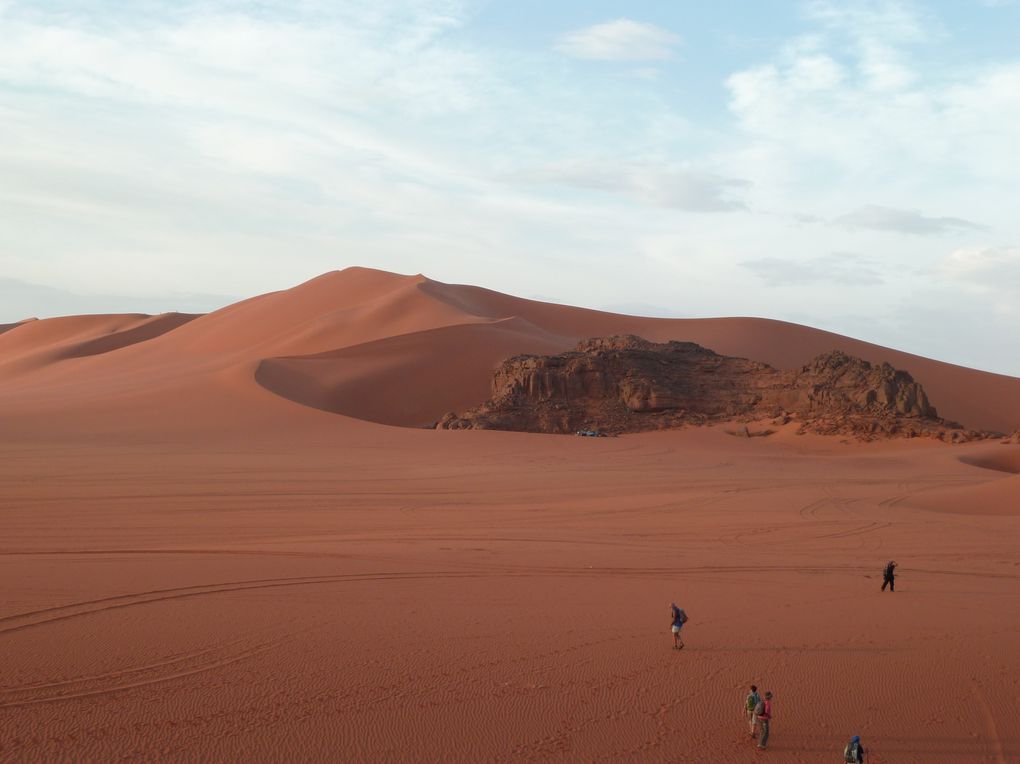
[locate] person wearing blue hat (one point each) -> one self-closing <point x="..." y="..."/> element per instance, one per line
<point x="677" y="619"/>
<point x="854" y="751"/>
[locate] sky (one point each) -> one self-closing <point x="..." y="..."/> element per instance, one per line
<point x="848" y="165"/>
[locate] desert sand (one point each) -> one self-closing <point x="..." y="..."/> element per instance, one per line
<point x="228" y="537"/>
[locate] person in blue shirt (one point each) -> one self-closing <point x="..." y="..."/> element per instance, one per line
<point x="751" y="703"/>
<point x="677" y="619"/>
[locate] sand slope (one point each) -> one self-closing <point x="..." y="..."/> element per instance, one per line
<point x="998" y="497"/>
<point x="405" y="380"/>
<point x="37" y="344"/>
<point x="299" y="343"/>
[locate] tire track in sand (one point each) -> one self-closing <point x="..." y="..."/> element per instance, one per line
<point x="121" y="687"/>
<point x="175" y="660"/>
<point x="995" y="741"/>
<point x="21" y="621"/>
<point x="859" y="531"/>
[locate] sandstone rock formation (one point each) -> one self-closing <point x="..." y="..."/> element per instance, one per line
<point x="628" y="384"/>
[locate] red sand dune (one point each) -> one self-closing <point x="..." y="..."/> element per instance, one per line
<point x="200" y="559"/>
<point x="408" y="378"/>
<point x="8" y="327"/>
<point x="999" y="497"/>
<point x="328" y="316"/>
<point x="995" y="457"/>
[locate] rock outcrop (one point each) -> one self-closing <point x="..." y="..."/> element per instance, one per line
<point x="627" y="384"/>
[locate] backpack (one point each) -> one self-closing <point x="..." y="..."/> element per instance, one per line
<point x="682" y="616"/>
<point x="851" y="753"/>
<point x="753" y="700"/>
<point x="759" y="710"/>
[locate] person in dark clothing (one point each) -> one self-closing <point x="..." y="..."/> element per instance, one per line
<point x="889" y="576"/>
<point x="854" y="751"/>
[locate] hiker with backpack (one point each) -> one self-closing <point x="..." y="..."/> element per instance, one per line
<point x="752" y="701"/>
<point x="763" y="713"/>
<point x="854" y="751"/>
<point x="889" y="576"/>
<point x="677" y="619"/>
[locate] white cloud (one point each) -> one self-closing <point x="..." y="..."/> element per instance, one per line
<point x="619" y="40"/>
<point x="880" y="218"/>
<point x="203" y="142"/>
<point x="887" y="20"/>
<point x="991" y="269"/>
<point x="813" y="126"/>
<point x="679" y="188"/>
<point x="842" y="268"/>
<point x="877" y="32"/>
<point x="815" y="72"/>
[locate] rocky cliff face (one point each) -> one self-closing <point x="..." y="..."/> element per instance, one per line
<point x="628" y="384"/>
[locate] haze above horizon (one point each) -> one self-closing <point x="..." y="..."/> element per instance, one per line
<point x="846" y="165"/>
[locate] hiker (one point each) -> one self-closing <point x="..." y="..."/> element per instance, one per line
<point x="677" y="620"/>
<point x="854" y="751"/>
<point x="763" y="713"/>
<point x="753" y="699"/>
<point x="889" y="576"/>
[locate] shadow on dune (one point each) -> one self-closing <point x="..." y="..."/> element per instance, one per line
<point x="148" y="330"/>
<point x="409" y="380"/>
<point x="1004" y="459"/>
<point x="15" y="325"/>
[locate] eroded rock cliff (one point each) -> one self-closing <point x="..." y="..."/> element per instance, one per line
<point x="628" y="384"/>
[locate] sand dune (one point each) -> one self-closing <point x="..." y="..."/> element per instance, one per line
<point x="995" y="497"/>
<point x="994" y="457"/>
<point x="335" y="310"/>
<point x="145" y="330"/>
<point x="211" y="549"/>
<point x="292" y="337"/>
<point x="8" y="327"/>
<point x="978" y="399"/>
<point x="405" y="380"/>
<point x="39" y="344"/>
<point x="407" y="304"/>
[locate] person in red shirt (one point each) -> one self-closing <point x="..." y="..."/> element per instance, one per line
<point x="763" y="713"/>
